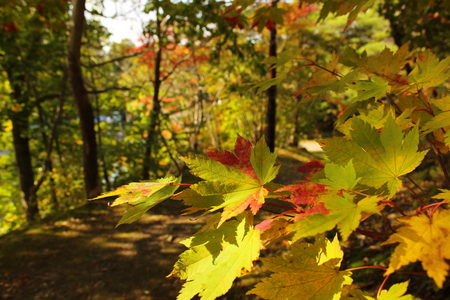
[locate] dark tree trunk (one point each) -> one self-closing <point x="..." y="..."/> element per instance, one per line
<point x="156" y="110"/>
<point x="84" y="107"/>
<point x="272" y="92"/>
<point x="20" y="126"/>
<point x="22" y="151"/>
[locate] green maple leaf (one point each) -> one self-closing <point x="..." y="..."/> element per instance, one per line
<point x="377" y="88"/>
<point x="429" y="72"/>
<point x="340" y="177"/>
<point x="377" y="118"/>
<point x="263" y="162"/>
<point x="142" y="196"/>
<point x="378" y="158"/>
<point x="311" y="271"/>
<point x="343" y="212"/>
<point x="217" y="256"/>
<point x="442" y="119"/>
<point x="233" y="183"/>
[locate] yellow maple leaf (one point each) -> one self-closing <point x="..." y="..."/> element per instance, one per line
<point x="425" y="239"/>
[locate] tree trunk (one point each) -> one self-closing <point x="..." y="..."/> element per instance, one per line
<point x="22" y="151"/>
<point x="156" y="110"/>
<point x="20" y="125"/>
<point x="272" y="92"/>
<point x="84" y="107"/>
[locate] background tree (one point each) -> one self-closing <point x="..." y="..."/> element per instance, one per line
<point x="85" y="111"/>
<point x="25" y="60"/>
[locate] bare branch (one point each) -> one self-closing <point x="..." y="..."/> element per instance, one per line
<point x="114" y="88"/>
<point x="114" y="60"/>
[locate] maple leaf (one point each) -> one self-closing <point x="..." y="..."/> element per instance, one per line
<point x="233" y="182"/>
<point x="426" y="239"/>
<point x="308" y="194"/>
<point x="340" y="177"/>
<point x="312" y="166"/>
<point x="441" y="122"/>
<point x="142" y="196"/>
<point x="377" y="88"/>
<point x="445" y="194"/>
<point x="386" y="63"/>
<point x="274" y="231"/>
<point x="429" y="72"/>
<point x="217" y="256"/>
<point x="342" y="211"/>
<point x="311" y="271"/>
<point x="378" y="158"/>
<point x="239" y="160"/>
<point x="377" y="118"/>
<point x="395" y="292"/>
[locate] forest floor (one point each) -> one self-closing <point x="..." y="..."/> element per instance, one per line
<point x="83" y="256"/>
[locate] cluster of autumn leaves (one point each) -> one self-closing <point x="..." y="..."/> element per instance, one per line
<point x="334" y="194"/>
<point x="384" y="134"/>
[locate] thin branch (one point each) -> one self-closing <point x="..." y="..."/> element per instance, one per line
<point x="47" y="97"/>
<point x="52" y="136"/>
<point x="420" y="188"/>
<point x="113" y="88"/>
<point x="114" y="60"/>
<point x="170" y="153"/>
<point x="439" y="157"/>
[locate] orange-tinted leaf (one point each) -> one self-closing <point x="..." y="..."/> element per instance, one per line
<point x="425" y="239"/>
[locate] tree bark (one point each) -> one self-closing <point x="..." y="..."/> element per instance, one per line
<point x="20" y="125"/>
<point x="156" y="110"/>
<point x="84" y="107"/>
<point x="22" y="151"/>
<point x="272" y="92"/>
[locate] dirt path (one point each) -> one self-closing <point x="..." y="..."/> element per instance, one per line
<point x="85" y="257"/>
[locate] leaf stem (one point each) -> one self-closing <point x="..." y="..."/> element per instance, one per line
<point x="275" y="192"/>
<point x="392" y="204"/>
<point x="372" y="235"/>
<point x="388" y="222"/>
<point x="381" y="286"/>
<point x="436" y="206"/>
<point x="415" y="194"/>
<point x="421" y="189"/>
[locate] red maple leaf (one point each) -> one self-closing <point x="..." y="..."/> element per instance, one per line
<point x="305" y="193"/>
<point x="240" y="159"/>
<point x="306" y="197"/>
<point x="312" y="166"/>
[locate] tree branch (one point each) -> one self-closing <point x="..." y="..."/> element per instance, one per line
<point x="114" y="60"/>
<point x="113" y="88"/>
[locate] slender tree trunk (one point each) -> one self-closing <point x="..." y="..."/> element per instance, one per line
<point x="156" y="110"/>
<point x="22" y="151"/>
<point x="20" y="126"/>
<point x="272" y="92"/>
<point x="84" y="107"/>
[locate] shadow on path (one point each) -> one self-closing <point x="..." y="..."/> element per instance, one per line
<point x="86" y="257"/>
